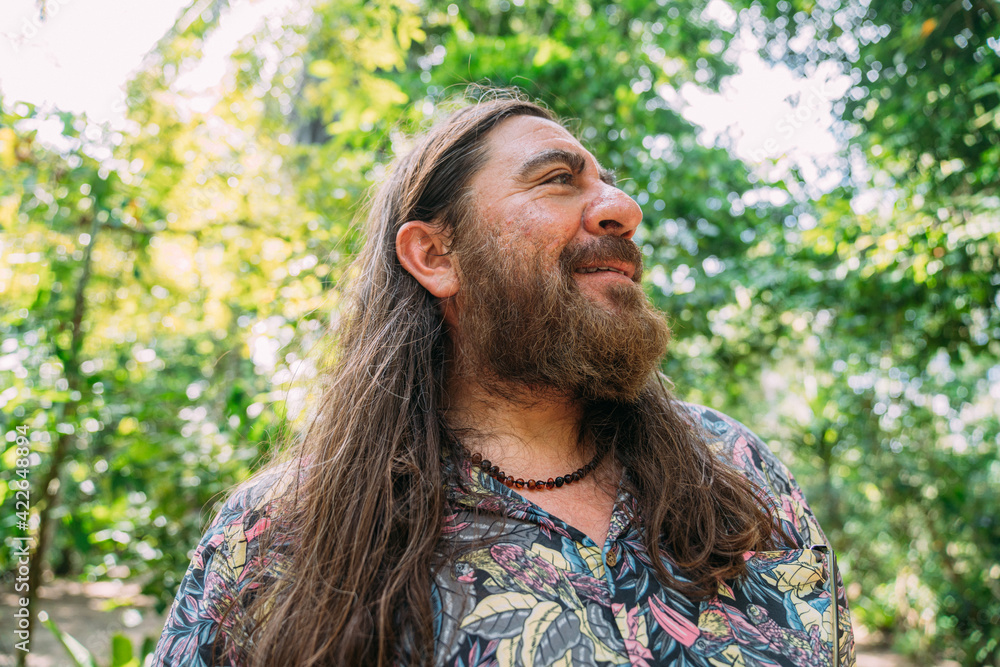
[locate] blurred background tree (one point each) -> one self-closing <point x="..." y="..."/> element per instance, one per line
<point x="163" y="281"/>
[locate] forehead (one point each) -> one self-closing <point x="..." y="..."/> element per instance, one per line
<point x="518" y="142"/>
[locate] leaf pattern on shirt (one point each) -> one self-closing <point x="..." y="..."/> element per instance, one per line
<point x="527" y="589"/>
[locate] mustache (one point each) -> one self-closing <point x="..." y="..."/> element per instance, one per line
<point x="603" y="249"/>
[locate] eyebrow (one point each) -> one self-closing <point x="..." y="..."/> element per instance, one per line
<point x="552" y="156"/>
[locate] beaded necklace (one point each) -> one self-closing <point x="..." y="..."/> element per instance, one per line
<point x="536" y="485"/>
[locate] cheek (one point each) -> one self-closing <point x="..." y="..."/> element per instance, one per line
<point x="545" y="234"/>
<point x="535" y="231"/>
<point x="528" y="244"/>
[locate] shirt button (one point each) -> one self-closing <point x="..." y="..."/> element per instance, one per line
<point x="611" y="559"/>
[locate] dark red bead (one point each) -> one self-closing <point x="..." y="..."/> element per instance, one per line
<point x="486" y="466"/>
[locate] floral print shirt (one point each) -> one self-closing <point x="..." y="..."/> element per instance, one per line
<point x="529" y="589"/>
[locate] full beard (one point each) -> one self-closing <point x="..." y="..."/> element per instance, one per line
<point x="532" y="331"/>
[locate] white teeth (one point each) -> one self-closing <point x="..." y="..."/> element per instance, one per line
<point x="595" y="269"/>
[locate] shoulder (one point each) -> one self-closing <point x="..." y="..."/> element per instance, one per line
<point x="235" y="532"/>
<point x="227" y="562"/>
<point x="740" y="448"/>
<point x="733" y="442"/>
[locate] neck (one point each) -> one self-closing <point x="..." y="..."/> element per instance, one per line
<point x="526" y="432"/>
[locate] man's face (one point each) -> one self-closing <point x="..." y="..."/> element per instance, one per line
<point x="549" y="294"/>
<point x="541" y="192"/>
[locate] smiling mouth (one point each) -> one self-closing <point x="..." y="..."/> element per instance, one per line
<point x="596" y="269"/>
<point x="606" y="254"/>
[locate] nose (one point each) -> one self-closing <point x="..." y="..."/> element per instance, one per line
<point x="611" y="211"/>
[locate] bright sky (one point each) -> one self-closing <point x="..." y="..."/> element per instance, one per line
<point x="80" y="57"/>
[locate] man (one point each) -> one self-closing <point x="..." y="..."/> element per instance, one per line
<point x="496" y="473"/>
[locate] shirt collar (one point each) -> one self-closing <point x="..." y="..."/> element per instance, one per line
<point x="473" y="489"/>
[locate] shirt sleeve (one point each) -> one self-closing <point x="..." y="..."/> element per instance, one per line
<point x="224" y="562"/>
<point x="745" y="451"/>
<point x="742" y="449"/>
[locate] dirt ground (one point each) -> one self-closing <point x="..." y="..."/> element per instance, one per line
<point x="93" y="612"/>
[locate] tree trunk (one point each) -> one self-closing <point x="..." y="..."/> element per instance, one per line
<point x="49" y="489"/>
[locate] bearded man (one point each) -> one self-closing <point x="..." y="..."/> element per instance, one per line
<point x="496" y="473"/>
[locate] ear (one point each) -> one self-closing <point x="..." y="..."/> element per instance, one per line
<point x="422" y="249"/>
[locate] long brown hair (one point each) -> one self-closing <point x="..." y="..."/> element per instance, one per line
<point x="362" y="520"/>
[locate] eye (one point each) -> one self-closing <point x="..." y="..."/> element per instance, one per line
<point x="561" y="178"/>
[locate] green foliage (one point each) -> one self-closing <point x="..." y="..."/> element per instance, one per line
<point x="154" y="277"/>
<point x="909" y="286"/>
